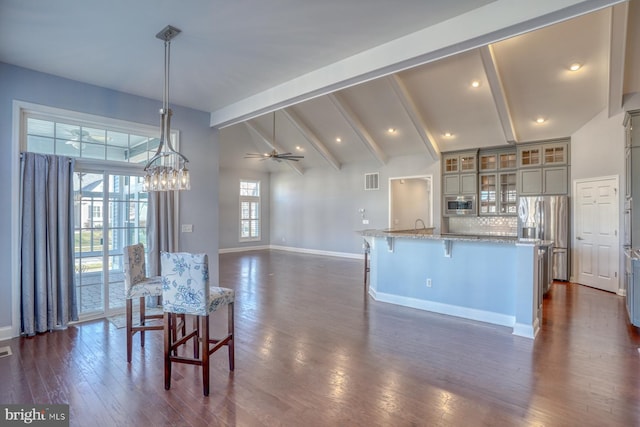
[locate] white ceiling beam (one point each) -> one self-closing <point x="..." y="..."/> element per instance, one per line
<point x="312" y="138"/>
<point x="617" y="50"/>
<point x="357" y="126"/>
<point x="498" y="93"/>
<point x="409" y="106"/>
<point x="487" y="24"/>
<point x="272" y="145"/>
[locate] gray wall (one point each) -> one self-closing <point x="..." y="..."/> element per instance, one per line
<point x="199" y="142"/>
<point x="229" y="205"/>
<point x="320" y="209"/>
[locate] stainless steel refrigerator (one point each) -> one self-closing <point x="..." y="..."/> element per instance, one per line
<point x="547" y="218"/>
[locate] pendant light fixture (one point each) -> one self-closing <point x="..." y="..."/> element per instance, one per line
<point x="167" y="169"/>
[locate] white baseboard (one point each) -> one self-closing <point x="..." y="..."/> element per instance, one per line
<point x="450" y="310"/>
<point x="6" y="333"/>
<point x="293" y="249"/>
<point x="526" y="331"/>
<point x="243" y="249"/>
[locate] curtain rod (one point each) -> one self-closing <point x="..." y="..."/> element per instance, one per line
<point x="22" y="157"/>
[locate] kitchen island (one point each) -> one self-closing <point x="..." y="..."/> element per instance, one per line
<point x="492" y="279"/>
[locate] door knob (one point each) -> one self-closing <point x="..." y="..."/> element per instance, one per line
<point x="579" y="238"/>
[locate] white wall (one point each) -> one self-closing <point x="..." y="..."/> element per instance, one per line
<point x="410" y="200"/>
<point x="597" y="150"/>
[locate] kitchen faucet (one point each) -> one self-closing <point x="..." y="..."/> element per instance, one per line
<point x="415" y="226"/>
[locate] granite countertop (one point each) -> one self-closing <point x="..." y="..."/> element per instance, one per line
<point x="427" y="234"/>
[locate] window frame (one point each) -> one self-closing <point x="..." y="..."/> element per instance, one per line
<point x="43" y="112"/>
<point x="251" y="200"/>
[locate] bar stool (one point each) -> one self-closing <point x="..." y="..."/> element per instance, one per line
<point x="186" y="290"/>
<point x="138" y="285"/>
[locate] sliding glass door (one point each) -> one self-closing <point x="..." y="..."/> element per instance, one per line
<point x="110" y="213"/>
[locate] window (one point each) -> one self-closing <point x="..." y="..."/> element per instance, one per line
<point x="249" y="210"/>
<point x="110" y="209"/>
<point x="65" y="137"/>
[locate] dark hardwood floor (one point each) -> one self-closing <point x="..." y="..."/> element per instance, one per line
<point x="313" y="350"/>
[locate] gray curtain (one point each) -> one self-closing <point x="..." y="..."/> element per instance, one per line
<point x="161" y="234"/>
<point x="47" y="279"/>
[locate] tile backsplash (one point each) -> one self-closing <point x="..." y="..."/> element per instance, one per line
<point x="484" y="225"/>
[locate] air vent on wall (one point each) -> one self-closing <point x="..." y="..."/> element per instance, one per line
<point x="371" y="181"/>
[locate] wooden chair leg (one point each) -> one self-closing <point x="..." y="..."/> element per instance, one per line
<point x="142" y="316"/>
<point x="129" y="320"/>
<point x="231" y="343"/>
<point x="167" y="350"/>
<point x="174" y="331"/>
<point x="205" y="354"/>
<point x="196" y="341"/>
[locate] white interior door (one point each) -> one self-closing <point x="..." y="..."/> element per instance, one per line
<point x="596" y="232"/>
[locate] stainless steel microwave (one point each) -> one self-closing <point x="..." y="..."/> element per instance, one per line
<point x="460" y="205"/>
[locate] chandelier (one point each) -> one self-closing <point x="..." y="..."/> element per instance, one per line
<point x="167" y="169"/>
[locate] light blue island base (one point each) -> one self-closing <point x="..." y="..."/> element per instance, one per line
<point x="492" y="280"/>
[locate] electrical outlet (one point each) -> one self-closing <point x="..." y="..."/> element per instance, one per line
<point x="365" y="221"/>
<point x="428" y="283"/>
<point x="187" y="228"/>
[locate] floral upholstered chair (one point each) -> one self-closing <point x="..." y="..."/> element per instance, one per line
<point x="138" y="285"/>
<point x="186" y="290"/>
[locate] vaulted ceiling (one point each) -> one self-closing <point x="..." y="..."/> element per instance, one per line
<point x="351" y="69"/>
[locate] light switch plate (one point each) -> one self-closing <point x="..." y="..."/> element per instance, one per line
<point x="187" y="228"/>
<point x="365" y="221"/>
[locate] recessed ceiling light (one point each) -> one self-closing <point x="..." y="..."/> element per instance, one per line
<point x="298" y="148"/>
<point x="338" y="140"/>
<point x="391" y="130"/>
<point x="575" y="66"/>
<point x="448" y="135"/>
<point x="475" y="83"/>
<point x="540" y="120"/>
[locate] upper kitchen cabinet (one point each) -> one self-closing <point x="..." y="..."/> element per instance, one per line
<point x="459" y="173"/>
<point x="497" y="182"/>
<point x="543" y="168"/>
<point x="460" y="162"/>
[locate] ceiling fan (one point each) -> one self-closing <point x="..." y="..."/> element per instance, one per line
<point x="278" y="157"/>
<point x="274" y="155"/>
